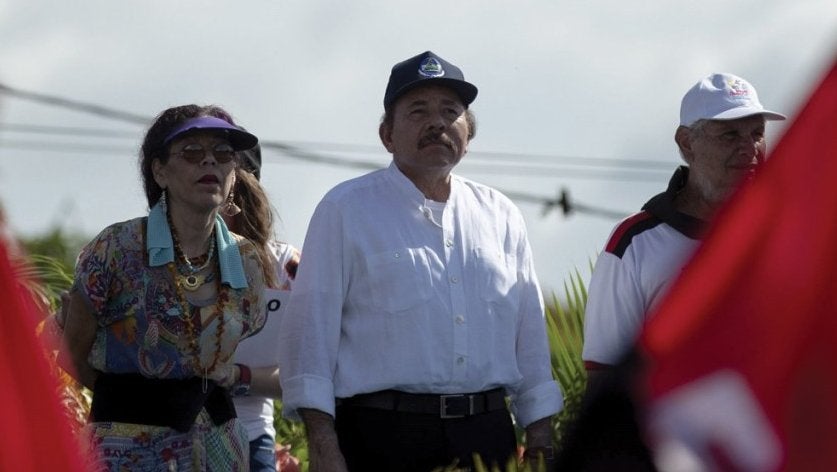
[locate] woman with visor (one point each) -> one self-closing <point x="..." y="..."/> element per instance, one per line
<point x="160" y="303"/>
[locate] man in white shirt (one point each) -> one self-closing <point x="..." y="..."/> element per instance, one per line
<point x="722" y="139"/>
<point x="416" y="310"/>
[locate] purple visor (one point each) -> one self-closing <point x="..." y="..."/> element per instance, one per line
<point x="239" y="139"/>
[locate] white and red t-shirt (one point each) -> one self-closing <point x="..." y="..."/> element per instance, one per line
<point x="643" y="256"/>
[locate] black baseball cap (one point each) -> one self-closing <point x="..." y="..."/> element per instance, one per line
<point x="252" y="161"/>
<point x="427" y="69"/>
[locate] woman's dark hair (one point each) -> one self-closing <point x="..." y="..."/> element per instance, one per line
<point x="152" y="145"/>
<point x="255" y="222"/>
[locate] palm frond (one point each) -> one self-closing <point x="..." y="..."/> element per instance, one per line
<point x="44" y="277"/>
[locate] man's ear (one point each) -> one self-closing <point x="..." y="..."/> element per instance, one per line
<point x="385" y="133"/>
<point x="683" y="138"/>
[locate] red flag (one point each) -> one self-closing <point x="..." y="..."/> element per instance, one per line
<point x="743" y="353"/>
<point x="34" y="433"/>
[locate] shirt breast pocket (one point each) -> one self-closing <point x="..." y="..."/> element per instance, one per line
<point x="399" y="279"/>
<point x="498" y="280"/>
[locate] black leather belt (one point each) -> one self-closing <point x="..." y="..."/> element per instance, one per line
<point x="443" y="406"/>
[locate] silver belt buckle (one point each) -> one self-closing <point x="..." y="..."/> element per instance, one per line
<point x="443" y="406"/>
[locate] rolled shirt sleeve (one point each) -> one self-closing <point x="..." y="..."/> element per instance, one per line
<point x="539" y="395"/>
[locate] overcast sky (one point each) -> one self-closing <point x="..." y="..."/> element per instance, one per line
<point x="575" y="95"/>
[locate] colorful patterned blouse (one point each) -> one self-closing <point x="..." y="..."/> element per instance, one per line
<point x="142" y="329"/>
<point x="140" y="316"/>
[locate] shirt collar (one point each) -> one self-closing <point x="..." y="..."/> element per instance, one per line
<point x="409" y="189"/>
<point x="662" y="206"/>
<point x="404" y="184"/>
<point x="160" y="247"/>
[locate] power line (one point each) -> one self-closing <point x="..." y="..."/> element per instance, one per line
<point x="485" y="162"/>
<point x="76" y="105"/>
<point x="65" y="147"/>
<point x="566" y="205"/>
<point x="67" y="131"/>
<point x="296" y="153"/>
<point x="567" y="173"/>
<point x="476" y="166"/>
<point x="517" y="157"/>
<point x="579" y="160"/>
<point x="563" y="201"/>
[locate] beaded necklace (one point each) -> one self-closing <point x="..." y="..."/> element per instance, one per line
<point x="194" y="346"/>
<point x="191" y="282"/>
<point x="205" y="258"/>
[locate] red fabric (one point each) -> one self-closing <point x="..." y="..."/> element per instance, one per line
<point x="623" y="228"/>
<point x="760" y="297"/>
<point x="593" y="365"/>
<point x="34" y="434"/>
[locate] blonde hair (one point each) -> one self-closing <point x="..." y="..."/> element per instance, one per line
<point x="255" y="222"/>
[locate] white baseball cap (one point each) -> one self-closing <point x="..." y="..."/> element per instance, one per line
<point x="722" y="97"/>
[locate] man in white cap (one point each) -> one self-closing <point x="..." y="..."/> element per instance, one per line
<point x="416" y="311"/>
<point x="722" y="139"/>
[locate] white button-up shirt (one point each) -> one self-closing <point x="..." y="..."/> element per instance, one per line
<point x="389" y="296"/>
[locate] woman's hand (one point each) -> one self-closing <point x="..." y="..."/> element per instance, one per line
<point x="225" y="375"/>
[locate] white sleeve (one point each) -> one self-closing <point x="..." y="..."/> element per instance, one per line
<point x="310" y="330"/>
<point x="615" y="310"/>
<point x="539" y="395"/>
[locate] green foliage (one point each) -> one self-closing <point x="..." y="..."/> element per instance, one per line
<point x="565" y="330"/>
<point x="47" y="269"/>
<point x="511" y="466"/>
<point x="45" y="278"/>
<point x="291" y="433"/>
<point x="56" y="244"/>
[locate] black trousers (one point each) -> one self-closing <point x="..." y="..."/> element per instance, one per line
<point x="382" y="440"/>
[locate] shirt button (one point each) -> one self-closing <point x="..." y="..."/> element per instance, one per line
<point x="448" y="243"/>
<point x="460" y="319"/>
<point x="397" y="255"/>
<point x="460" y="360"/>
<point x="454" y="280"/>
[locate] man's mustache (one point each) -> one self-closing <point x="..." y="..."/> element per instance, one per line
<point x="431" y="139"/>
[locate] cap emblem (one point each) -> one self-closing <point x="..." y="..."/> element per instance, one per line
<point x="430" y="67"/>
<point x="738" y="88"/>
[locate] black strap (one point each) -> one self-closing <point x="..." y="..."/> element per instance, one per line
<point x="175" y="403"/>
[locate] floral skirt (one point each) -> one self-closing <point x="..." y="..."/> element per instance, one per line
<point x="135" y="447"/>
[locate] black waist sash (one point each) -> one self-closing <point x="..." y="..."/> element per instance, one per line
<point x="175" y="403"/>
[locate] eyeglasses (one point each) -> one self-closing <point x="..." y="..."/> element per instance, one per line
<point x="195" y="153"/>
